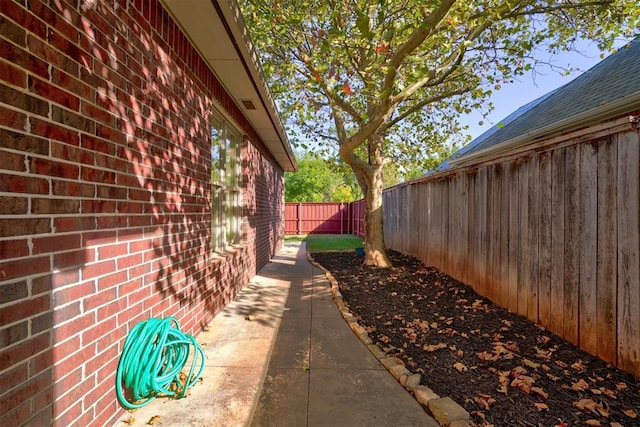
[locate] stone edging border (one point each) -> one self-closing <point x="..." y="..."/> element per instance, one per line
<point x="443" y="409"/>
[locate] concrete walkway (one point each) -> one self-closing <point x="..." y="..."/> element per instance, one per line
<point x="282" y="355"/>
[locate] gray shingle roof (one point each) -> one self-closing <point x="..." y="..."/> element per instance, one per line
<point x="615" y="78"/>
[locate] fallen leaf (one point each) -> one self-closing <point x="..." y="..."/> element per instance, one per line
<point x="460" y="367"/>
<point x="561" y="363"/>
<point x="609" y="393"/>
<point x="507" y="323"/>
<point x="593" y="423"/>
<point x="588" y="404"/>
<point x="541" y="406"/>
<point x="129" y="421"/>
<point x="578" y="366"/>
<point x="484" y="400"/>
<point x="631" y="413"/>
<point x="530" y="364"/>
<point x="434" y="347"/>
<point x="621" y="386"/>
<point x="552" y="377"/>
<point x="153" y="420"/>
<point x="615" y="425"/>
<point x="580" y="385"/>
<point x="540" y="392"/>
<point x="596" y="391"/>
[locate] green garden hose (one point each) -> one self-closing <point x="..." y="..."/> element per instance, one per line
<point x="154" y="354"/>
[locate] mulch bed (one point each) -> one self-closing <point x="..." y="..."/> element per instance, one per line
<point x="502" y="368"/>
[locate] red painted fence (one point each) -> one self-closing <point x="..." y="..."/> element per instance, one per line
<point x="325" y="218"/>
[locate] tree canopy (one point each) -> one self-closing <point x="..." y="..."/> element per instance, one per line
<point x="388" y="79"/>
<point x="320" y="180"/>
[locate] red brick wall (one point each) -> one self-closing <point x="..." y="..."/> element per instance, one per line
<point x="105" y="199"/>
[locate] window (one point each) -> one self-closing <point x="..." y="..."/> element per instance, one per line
<point x="226" y="191"/>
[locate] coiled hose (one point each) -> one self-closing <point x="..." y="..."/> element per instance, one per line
<point x="154" y="354"/>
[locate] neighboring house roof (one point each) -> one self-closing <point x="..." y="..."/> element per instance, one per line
<point x="216" y="28"/>
<point x="610" y="88"/>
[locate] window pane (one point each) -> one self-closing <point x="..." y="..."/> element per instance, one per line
<point x="216" y="152"/>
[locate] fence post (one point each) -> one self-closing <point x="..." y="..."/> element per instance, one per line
<point x="299" y="218"/>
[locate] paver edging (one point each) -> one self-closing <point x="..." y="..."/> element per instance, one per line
<point x="429" y="400"/>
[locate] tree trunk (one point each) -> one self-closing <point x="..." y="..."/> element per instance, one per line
<point x="375" y="249"/>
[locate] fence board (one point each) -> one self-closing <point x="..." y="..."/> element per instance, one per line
<point x="557" y="240"/>
<point x="533" y="228"/>
<point x="544" y="243"/>
<point x="628" y="310"/>
<point x="587" y="190"/>
<point x="514" y="237"/>
<point x="523" y="266"/>
<point x="607" y="253"/>
<point x="504" y="235"/>
<point x="572" y="244"/>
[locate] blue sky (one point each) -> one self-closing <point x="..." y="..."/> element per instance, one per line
<point x="531" y="86"/>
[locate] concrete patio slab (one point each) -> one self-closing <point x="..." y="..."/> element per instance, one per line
<point x="282" y="355"/>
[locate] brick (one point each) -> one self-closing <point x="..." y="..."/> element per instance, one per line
<point x="23" y="59"/>
<point x="41" y="323"/>
<point x="13" y="248"/>
<point x="67" y="312"/>
<point x="77" y="258"/>
<point x="56" y="243"/>
<point x="74" y="327"/>
<point x="73" y="188"/>
<point x="12" y="334"/>
<point x="13" y="291"/>
<point x="97" y="144"/>
<point x="100" y="114"/>
<point x="67" y="224"/>
<point x="100" y="298"/>
<point x="41" y="284"/>
<point x="53" y="93"/>
<point x="13" y="205"/>
<point x="52" y="168"/>
<point x="12" y="31"/>
<point x="110" y="192"/>
<point x="64" y="277"/>
<point x="41" y="418"/>
<point x="52" y="56"/>
<point x="71" y="119"/>
<point x="23" y="267"/>
<point x="43" y="401"/>
<point x="23" y="101"/>
<point x="14" y="414"/>
<point x="22" y="227"/>
<point x="11" y="356"/>
<point x="112" y="308"/>
<point x="14" y="376"/>
<point x="104" y="328"/>
<point x="53" y="131"/>
<point x="55" y="206"/>
<point x="98" y="175"/>
<point x="73" y="293"/>
<point x="13" y="75"/>
<point x="12" y="162"/>
<point x="66" y="414"/>
<point x="23" y="184"/>
<point x="26" y="20"/>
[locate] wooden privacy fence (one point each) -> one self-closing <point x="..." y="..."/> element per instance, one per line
<point x="554" y="236"/>
<point x="325" y="218"/>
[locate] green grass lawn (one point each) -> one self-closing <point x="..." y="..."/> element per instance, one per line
<point x="327" y="242"/>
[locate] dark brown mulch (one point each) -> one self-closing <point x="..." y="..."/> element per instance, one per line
<point x="502" y="368"/>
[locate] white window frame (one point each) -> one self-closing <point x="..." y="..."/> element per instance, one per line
<point x="226" y="184"/>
